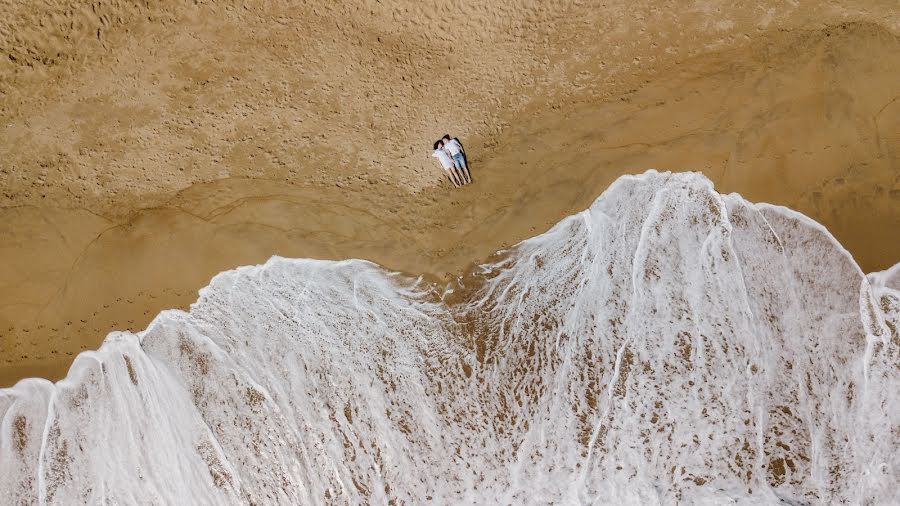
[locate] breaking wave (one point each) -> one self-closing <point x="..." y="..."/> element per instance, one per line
<point x="669" y="344"/>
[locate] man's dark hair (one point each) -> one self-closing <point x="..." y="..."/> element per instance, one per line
<point x="437" y="144"/>
<point x="446" y="136"/>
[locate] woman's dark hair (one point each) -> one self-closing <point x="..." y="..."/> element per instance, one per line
<point x="446" y="136"/>
<point x="437" y="144"/>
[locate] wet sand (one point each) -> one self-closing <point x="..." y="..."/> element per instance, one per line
<point x="130" y="179"/>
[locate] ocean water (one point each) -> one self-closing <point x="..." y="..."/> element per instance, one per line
<point x="667" y="345"/>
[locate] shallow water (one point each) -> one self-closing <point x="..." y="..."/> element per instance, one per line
<point x="667" y="344"/>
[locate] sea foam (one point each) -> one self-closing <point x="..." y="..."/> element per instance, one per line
<point x="669" y="344"/>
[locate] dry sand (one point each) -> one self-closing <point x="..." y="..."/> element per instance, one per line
<point x="144" y="150"/>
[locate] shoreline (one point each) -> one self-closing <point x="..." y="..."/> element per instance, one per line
<point x="434" y="280"/>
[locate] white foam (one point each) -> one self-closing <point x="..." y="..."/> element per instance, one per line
<point x="889" y="277"/>
<point x="667" y="344"/>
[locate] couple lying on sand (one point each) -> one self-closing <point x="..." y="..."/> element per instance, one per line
<point x="452" y="156"/>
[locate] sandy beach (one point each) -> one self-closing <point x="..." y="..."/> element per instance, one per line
<point x="145" y="150"/>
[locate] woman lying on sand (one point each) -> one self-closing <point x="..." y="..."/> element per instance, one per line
<point x="446" y="163"/>
<point x="450" y="154"/>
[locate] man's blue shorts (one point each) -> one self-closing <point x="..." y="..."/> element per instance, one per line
<point x="460" y="161"/>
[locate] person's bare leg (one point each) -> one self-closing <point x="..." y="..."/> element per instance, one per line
<point x="467" y="174"/>
<point x="459" y="176"/>
<point x="452" y="178"/>
<point x="457" y="169"/>
<point x="463" y="168"/>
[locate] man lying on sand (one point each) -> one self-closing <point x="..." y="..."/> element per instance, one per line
<point x="446" y="163"/>
<point x="454" y="148"/>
